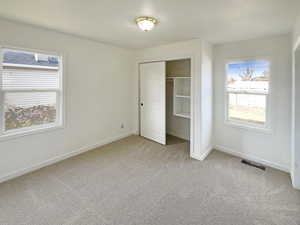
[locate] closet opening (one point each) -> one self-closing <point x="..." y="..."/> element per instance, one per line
<point x="165" y="102"/>
<point x="178" y="101"/>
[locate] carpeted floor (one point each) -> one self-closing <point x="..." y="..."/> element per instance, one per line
<point x="136" y="182"/>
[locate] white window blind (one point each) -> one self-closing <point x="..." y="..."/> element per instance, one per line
<point x="20" y="79"/>
<point x="31" y="91"/>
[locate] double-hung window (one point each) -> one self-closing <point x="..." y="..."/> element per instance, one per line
<point x="247" y="93"/>
<point x="30" y="91"/>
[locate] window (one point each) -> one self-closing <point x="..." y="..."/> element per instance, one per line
<point x="30" y="91"/>
<point x="247" y="93"/>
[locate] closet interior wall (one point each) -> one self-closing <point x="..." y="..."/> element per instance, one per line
<point x="178" y="123"/>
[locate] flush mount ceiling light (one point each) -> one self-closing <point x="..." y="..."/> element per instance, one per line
<point x="146" y="23"/>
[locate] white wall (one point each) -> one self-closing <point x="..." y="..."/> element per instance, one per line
<point x="98" y="97"/>
<point x="296" y="33"/>
<point x="186" y="49"/>
<point x="295" y="173"/>
<point x="296" y="123"/>
<point x="272" y="149"/>
<point x="207" y="96"/>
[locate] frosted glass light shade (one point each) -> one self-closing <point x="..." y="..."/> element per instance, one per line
<point x="146" y="23"/>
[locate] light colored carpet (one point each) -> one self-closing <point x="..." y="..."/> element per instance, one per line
<point x="138" y="182"/>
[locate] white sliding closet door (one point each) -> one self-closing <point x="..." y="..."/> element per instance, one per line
<point x="153" y="101"/>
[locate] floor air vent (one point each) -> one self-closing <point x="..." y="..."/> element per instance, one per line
<point x="256" y="165"/>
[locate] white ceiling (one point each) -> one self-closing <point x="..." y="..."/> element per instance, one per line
<point x="111" y="21"/>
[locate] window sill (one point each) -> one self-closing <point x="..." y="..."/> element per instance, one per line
<point x="249" y="127"/>
<point x="37" y="130"/>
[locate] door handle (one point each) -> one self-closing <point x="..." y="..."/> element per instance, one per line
<point x="142" y="104"/>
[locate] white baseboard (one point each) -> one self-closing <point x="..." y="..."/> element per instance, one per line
<point x="203" y="155"/>
<point x="252" y="158"/>
<point x="62" y="157"/>
<point x="296" y="183"/>
<point x="296" y="186"/>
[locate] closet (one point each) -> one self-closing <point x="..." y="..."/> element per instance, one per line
<point x="165" y="100"/>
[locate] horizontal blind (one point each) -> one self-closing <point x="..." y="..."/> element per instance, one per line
<point x="250" y="86"/>
<point x="22" y="79"/>
<point x="29" y="99"/>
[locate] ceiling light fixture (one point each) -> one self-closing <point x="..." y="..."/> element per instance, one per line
<point x="146" y="23"/>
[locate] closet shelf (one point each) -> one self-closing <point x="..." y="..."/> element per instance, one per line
<point x="179" y="77"/>
<point x="183" y="96"/>
<point x="183" y="114"/>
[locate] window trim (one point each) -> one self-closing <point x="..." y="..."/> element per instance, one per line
<point x="267" y="126"/>
<point x="60" y="99"/>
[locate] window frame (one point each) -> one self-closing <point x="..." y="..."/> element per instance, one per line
<point x="267" y="126"/>
<point x="60" y="99"/>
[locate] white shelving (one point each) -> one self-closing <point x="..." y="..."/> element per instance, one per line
<point x="184" y="115"/>
<point x="178" y="77"/>
<point x="181" y="96"/>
